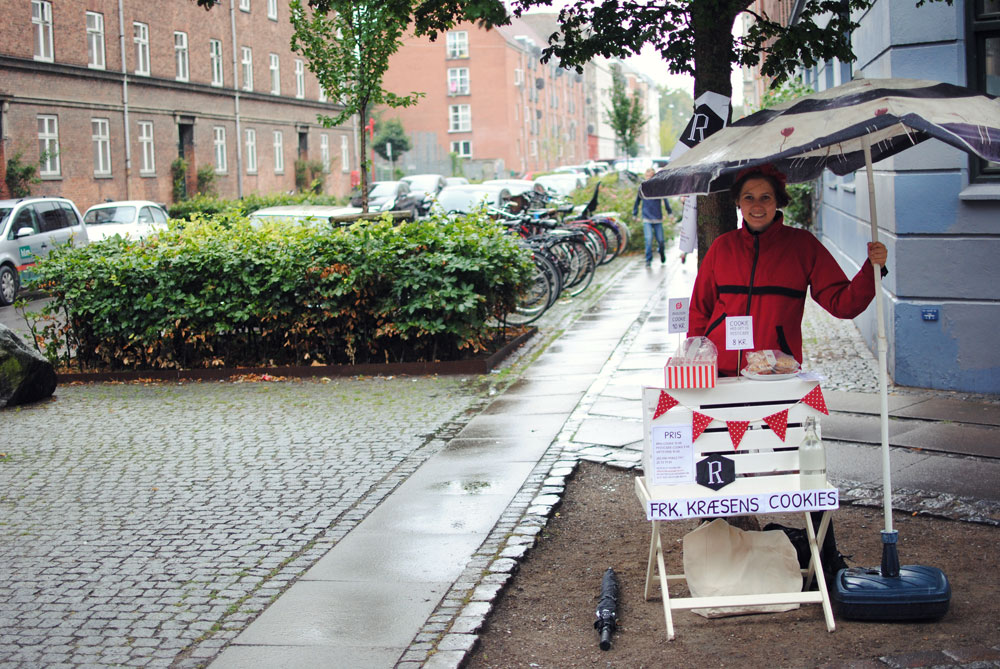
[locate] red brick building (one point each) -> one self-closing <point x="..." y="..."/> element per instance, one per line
<point x="491" y="108"/>
<point x="108" y="93"/>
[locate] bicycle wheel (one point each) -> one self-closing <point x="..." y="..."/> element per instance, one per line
<point x="580" y="262"/>
<point x="536" y="297"/>
<point x="613" y="237"/>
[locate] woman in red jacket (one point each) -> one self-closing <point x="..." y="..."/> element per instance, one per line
<point x="763" y="269"/>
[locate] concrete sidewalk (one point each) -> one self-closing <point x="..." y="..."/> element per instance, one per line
<point x="414" y="581"/>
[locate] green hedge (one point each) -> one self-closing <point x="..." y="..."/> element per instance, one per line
<point x="219" y="292"/>
<point x="211" y="206"/>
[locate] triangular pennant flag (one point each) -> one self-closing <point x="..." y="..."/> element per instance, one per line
<point x="698" y="424"/>
<point x="737" y="428"/>
<point x="665" y="404"/>
<point x="778" y="422"/>
<point x="814" y="398"/>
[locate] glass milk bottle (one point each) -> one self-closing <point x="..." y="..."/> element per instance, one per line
<point x="812" y="458"/>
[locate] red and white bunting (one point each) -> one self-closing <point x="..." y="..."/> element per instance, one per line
<point x="814" y="398"/>
<point x="737" y="428"/>
<point x="778" y="422"/>
<point x="699" y="422"/>
<point x="665" y="404"/>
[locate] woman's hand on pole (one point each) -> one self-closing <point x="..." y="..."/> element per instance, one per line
<point x="877" y="253"/>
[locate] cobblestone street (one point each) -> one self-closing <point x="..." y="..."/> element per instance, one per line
<point x="130" y="529"/>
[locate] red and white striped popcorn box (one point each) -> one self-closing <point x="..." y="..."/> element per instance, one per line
<point x="690" y="374"/>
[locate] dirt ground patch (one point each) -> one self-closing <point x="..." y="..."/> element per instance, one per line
<point x="545" y="616"/>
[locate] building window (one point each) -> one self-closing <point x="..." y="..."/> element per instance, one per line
<point x="147" y="164"/>
<point x="275" y="75"/>
<point x="95" y="41"/>
<point x="181" y="56"/>
<point x="247" y="64"/>
<point x="300" y="80"/>
<point x="215" y="56"/>
<point x="462" y="149"/>
<point x="101" y="135"/>
<point x="458" y="81"/>
<point x="41" y="23"/>
<point x="345" y="154"/>
<point x="322" y="97"/>
<point x="245" y="5"/>
<point x="140" y="35"/>
<point x="272" y="9"/>
<point x="459" y="118"/>
<point x="534" y="148"/>
<point x="457" y="43"/>
<point x="48" y="146"/>
<point x="251" y="144"/>
<point x="324" y="151"/>
<point x="983" y="46"/>
<point x="219" y="145"/>
<point x="279" y="152"/>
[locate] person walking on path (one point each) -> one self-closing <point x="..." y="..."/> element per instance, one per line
<point x="652" y="221"/>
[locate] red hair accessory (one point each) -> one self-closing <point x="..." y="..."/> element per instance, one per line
<point x="766" y="169"/>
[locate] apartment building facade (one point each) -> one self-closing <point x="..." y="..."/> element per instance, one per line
<point x="490" y="107"/>
<point x="106" y="94"/>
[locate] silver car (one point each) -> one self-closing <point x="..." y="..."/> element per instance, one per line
<point x="30" y="228"/>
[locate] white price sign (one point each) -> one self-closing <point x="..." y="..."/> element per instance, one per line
<point x="739" y="332"/>
<point x="672" y="454"/>
<point x="677" y="314"/>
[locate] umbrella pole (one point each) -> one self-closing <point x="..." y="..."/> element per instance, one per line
<point x="890" y="555"/>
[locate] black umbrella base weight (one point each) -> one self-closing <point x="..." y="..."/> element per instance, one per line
<point x="891" y="593"/>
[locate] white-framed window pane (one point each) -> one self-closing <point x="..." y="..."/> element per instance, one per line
<point x="246" y="62"/>
<point x="324" y="151"/>
<point x="279" y="152"/>
<point x="48" y="145"/>
<point x="275" y="75"/>
<point x="457" y="44"/>
<point x="181" y="56"/>
<point x="322" y="94"/>
<point x="458" y="81"/>
<point x="300" y="79"/>
<point x="147" y="157"/>
<point x="345" y="154"/>
<point x="251" y="146"/>
<point x="41" y="24"/>
<point x="219" y="147"/>
<point x="272" y="9"/>
<point x="100" y="134"/>
<point x="463" y="149"/>
<point x="95" y="41"/>
<point x="459" y="118"/>
<point x="215" y="56"/>
<point x="245" y="5"/>
<point x="140" y="36"/>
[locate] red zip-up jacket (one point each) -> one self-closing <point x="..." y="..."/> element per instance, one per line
<point x="765" y="276"/>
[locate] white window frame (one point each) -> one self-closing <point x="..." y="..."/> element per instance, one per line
<point x="147" y="160"/>
<point x="140" y="37"/>
<point x="41" y="25"/>
<point x="345" y="154"/>
<point x="459" y="118"/>
<point x="462" y="148"/>
<point x="250" y="141"/>
<point x="272" y="9"/>
<point x="219" y="148"/>
<point x="100" y="134"/>
<point x="244" y="5"/>
<point x="457" y="43"/>
<point x="246" y="67"/>
<point x="48" y="145"/>
<point x="324" y="151"/>
<point x="95" y="41"/>
<point x="275" y="68"/>
<point x="458" y="81"/>
<point x="278" y="141"/>
<point x="181" y="59"/>
<point x="300" y="80"/>
<point x="215" y="59"/>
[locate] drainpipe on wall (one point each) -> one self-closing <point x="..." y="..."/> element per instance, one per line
<point x="128" y="138"/>
<point x="236" y="102"/>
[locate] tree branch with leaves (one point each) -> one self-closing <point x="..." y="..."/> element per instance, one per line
<point x="625" y="115"/>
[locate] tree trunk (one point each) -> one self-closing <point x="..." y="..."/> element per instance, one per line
<point x="362" y="161"/>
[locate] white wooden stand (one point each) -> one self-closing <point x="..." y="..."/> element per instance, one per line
<point x="765" y="467"/>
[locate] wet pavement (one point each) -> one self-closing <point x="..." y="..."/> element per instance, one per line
<point x="371" y="522"/>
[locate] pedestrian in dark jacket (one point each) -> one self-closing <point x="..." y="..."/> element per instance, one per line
<point x="652" y="221"/>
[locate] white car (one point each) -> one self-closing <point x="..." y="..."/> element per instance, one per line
<point x="128" y="218"/>
<point x="301" y="213"/>
<point x="563" y="184"/>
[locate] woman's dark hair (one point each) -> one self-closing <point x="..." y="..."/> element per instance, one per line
<point x="768" y="173"/>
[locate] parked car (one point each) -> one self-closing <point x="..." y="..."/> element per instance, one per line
<point x="389" y="196"/>
<point x="426" y="187"/>
<point x="301" y="214"/>
<point x="128" y="218"/>
<point x="29" y="228"/>
<point x="455" y="181"/>
<point x="517" y="186"/>
<point x="562" y="184"/>
<point x="463" y="199"/>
